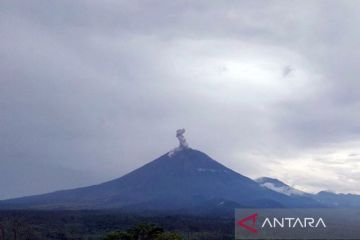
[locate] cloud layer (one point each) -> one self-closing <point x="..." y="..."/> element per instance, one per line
<point x="265" y="87"/>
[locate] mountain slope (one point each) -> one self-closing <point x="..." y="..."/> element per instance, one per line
<point x="185" y="179"/>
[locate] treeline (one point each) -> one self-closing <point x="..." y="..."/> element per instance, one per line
<point x="107" y="225"/>
<point x="16" y="229"/>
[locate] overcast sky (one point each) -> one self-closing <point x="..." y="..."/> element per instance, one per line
<point x="268" y="88"/>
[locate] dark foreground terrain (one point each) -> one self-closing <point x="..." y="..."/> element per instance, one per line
<point x="30" y="224"/>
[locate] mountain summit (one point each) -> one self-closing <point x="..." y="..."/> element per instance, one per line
<point x="184" y="178"/>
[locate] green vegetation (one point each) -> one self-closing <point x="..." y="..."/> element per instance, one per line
<point x="143" y="231"/>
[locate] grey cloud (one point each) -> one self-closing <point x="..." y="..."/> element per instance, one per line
<point x="287" y="70"/>
<point x="101" y="86"/>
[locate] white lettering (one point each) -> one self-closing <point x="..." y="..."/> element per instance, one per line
<point x="293" y="222"/>
<point x="322" y="222"/>
<point x="298" y="221"/>
<point x="266" y="221"/>
<point x="289" y="220"/>
<point x="310" y="221"/>
<point x="281" y="224"/>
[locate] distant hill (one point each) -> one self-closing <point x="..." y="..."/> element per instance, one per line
<point x="184" y="180"/>
<point x="339" y="200"/>
<point x="325" y="198"/>
<point x="280" y="187"/>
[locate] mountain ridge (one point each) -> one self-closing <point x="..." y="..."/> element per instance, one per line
<point x="187" y="177"/>
<point x="326" y="198"/>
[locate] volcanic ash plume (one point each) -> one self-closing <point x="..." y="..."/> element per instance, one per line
<point x="182" y="140"/>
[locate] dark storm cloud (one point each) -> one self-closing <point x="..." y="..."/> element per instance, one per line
<point x="102" y="86"/>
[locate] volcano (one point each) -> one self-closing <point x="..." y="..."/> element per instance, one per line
<point x="181" y="180"/>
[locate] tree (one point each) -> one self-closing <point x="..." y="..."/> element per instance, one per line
<point x="168" y="236"/>
<point x="2" y="232"/>
<point x="145" y="231"/>
<point x="118" y="236"/>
